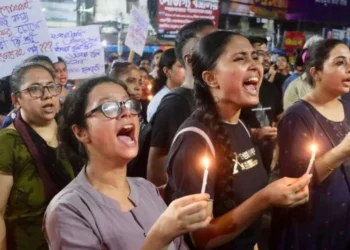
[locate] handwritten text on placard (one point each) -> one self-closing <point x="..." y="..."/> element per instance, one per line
<point x="82" y="50"/>
<point x="23" y="33"/>
<point x="137" y="32"/>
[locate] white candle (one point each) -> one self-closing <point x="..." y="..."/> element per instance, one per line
<point x="312" y="159"/>
<point x="205" y="176"/>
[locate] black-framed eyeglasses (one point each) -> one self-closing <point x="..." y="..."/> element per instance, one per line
<point x="114" y="109"/>
<point x="37" y="91"/>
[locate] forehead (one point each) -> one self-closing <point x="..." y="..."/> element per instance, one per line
<point x="36" y="75"/>
<point x="106" y="90"/>
<point x="60" y="65"/>
<point x="340" y="50"/>
<point x="260" y="46"/>
<point x="238" y="44"/>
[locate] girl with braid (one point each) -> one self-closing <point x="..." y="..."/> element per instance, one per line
<point x="227" y="78"/>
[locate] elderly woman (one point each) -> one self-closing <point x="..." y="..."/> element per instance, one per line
<point x="32" y="170"/>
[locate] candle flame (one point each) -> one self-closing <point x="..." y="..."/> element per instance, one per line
<point x="313" y="147"/>
<point x="149" y="86"/>
<point x="206" y="162"/>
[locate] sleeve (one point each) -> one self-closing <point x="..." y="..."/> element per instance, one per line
<point x="167" y="120"/>
<point x="294" y="141"/>
<point x="291" y="95"/>
<point x="66" y="229"/>
<point x="185" y="166"/>
<point x="6" y="154"/>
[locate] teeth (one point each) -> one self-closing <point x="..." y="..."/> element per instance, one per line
<point x="253" y="79"/>
<point x="128" y="126"/>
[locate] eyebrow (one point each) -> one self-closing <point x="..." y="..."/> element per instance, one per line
<point x="111" y="98"/>
<point x="244" y="53"/>
<point x="342" y="57"/>
<point x="37" y="83"/>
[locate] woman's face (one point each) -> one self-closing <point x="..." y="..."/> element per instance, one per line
<point x="61" y="73"/>
<point x="282" y="63"/>
<point x="335" y="76"/>
<point x="38" y="110"/>
<point x="133" y="82"/>
<point x="238" y="74"/>
<point x="115" y="139"/>
<point x="177" y="74"/>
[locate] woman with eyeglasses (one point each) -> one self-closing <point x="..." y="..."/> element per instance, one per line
<point x="32" y="169"/>
<point x="102" y="208"/>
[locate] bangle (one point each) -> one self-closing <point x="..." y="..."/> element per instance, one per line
<point x="330" y="169"/>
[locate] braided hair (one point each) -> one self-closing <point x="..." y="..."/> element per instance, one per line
<point x="205" y="57"/>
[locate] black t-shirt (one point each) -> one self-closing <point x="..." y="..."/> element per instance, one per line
<point x="185" y="170"/>
<point x="279" y="81"/>
<point x="5" y="96"/>
<point x="269" y="107"/>
<point x="171" y="113"/>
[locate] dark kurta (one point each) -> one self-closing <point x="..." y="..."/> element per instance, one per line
<point x="323" y="223"/>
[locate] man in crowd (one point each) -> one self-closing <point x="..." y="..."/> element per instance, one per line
<point x="178" y="105"/>
<point x="262" y="117"/>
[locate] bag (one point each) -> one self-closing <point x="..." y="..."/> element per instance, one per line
<point x="138" y="166"/>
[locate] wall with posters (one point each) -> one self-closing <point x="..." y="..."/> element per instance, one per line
<point x="173" y="14"/>
<point x="326" y="11"/>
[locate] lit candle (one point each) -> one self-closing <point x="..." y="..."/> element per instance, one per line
<point x="312" y="159"/>
<point x="205" y="176"/>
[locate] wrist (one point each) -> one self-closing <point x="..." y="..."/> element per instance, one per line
<point x="156" y="239"/>
<point x="339" y="152"/>
<point x="263" y="198"/>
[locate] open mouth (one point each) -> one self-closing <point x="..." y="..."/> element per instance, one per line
<point x="48" y="107"/>
<point x="251" y="85"/>
<point x="347" y="82"/>
<point x="126" y="134"/>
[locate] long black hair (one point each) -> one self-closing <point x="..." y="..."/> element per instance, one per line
<point x="73" y="113"/>
<point x="205" y="57"/>
<point x="167" y="60"/>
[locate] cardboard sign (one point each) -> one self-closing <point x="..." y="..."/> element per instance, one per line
<point x="137" y="32"/>
<point x="23" y="33"/>
<point x="82" y="50"/>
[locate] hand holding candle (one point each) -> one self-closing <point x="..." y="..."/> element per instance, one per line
<point x="205" y="176"/>
<point x="312" y="159"/>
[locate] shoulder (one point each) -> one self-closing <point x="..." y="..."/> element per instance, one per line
<point x="176" y="97"/>
<point x="298" y="111"/>
<point x="8" y="136"/>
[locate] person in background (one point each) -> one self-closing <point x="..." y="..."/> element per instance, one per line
<point x="145" y="63"/>
<point x="279" y="72"/>
<point x="299" y="88"/>
<point x="171" y="75"/>
<point x="178" y="105"/>
<point x="102" y="208"/>
<point x="62" y="76"/>
<point x="299" y="70"/>
<point x="155" y="63"/>
<point x="130" y="75"/>
<point x="227" y="76"/>
<point x="262" y="117"/>
<point x="147" y="84"/>
<point x="32" y="169"/>
<point x="323" y="119"/>
<point x="42" y="59"/>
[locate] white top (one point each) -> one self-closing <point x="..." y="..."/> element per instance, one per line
<point x="153" y="105"/>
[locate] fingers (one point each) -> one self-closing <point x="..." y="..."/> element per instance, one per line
<point x="184" y="201"/>
<point x="300" y="183"/>
<point x="300" y="202"/>
<point x="193" y="208"/>
<point x="199" y="225"/>
<point x="197" y="217"/>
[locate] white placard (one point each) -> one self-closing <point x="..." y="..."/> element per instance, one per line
<point x="23" y="33"/>
<point x="82" y="50"/>
<point x="137" y="32"/>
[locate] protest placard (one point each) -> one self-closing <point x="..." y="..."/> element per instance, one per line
<point x="137" y="32"/>
<point x="82" y="50"/>
<point x="23" y="33"/>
